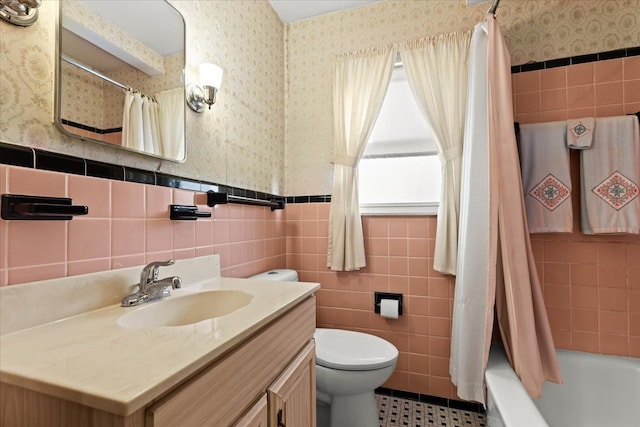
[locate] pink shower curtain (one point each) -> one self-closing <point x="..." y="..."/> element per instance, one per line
<point x="495" y="262"/>
<point x="522" y="316"/>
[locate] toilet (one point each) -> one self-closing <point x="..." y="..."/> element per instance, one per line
<point x="349" y="367"/>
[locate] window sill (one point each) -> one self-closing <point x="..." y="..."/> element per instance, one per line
<point x="399" y="209"/>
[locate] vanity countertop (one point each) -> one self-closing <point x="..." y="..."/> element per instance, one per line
<point x="90" y="359"/>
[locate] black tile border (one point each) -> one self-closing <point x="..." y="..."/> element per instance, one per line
<point x="104" y="170"/>
<point x="16" y="155"/>
<point x="432" y="400"/>
<point x="140" y="176"/>
<point x="579" y="59"/>
<point x="323" y="198"/>
<point x="59" y="163"/>
<point x="35" y="158"/>
<point x="90" y="128"/>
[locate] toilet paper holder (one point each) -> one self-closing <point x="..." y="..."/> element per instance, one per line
<point x="378" y="296"/>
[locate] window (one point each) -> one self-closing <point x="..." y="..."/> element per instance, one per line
<point x="400" y="172"/>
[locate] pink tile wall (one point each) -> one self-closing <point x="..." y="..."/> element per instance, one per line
<point x="128" y="224"/>
<point x="591" y="284"/>
<point x="399" y="259"/>
<point x="594" y="89"/>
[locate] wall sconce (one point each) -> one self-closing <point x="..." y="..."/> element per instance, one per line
<point x="19" y="12"/>
<point x="204" y="93"/>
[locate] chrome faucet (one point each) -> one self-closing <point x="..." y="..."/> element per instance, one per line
<point x="150" y="288"/>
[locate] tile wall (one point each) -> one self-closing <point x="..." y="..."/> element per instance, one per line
<point x="591" y="284"/>
<point x="399" y="253"/>
<point x="128" y="224"/>
<point x="591" y="89"/>
<point x="111" y="136"/>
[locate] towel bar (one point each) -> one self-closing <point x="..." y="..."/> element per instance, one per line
<point x="186" y="212"/>
<point x="39" y="208"/>
<point x="214" y="198"/>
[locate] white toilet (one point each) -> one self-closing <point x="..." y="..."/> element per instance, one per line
<point x="349" y="367"/>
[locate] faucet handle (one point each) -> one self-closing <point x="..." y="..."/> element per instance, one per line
<point x="157" y="264"/>
<point x="176" y="282"/>
<point x="150" y="271"/>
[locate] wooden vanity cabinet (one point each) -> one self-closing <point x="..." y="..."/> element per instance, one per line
<point x="292" y="397"/>
<point x="267" y="378"/>
<point x="258" y="415"/>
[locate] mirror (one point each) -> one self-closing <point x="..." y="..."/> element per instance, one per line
<point x="120" y="75"/>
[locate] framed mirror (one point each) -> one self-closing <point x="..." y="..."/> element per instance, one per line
<point x="120" y="75"/>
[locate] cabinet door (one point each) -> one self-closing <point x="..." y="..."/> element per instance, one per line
<point x="258" y="415"/>
<point x="292" y="397"/>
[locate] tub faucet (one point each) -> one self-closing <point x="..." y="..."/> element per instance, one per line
<point x="150" y="288"/>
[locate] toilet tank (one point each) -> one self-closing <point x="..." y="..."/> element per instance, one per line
<point x="283" y="274"/>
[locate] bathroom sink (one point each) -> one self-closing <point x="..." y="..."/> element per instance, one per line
<point x="185" y="310"/>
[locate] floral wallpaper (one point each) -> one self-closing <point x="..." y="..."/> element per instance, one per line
<point x="82" y="97"/>
<point x="535" y="30"/>
<point x="239" y="142"/>
<point x="245" y="140"/>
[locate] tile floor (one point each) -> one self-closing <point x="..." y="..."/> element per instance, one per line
<point x="397" y="412"/>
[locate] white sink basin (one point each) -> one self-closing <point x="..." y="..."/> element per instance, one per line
<point x="185" y="310"/>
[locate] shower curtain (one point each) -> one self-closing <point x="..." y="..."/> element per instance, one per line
<point x="495" y="260"/>
<point x="140" y="129"/>
<point x="171" y="122"/>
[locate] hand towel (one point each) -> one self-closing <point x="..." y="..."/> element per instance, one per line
<point x="580" y="133"/>
<point x="610" y="177"/>
<point x="546" y="180"/>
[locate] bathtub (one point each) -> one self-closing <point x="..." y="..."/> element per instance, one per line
<point x="598" y="391"/>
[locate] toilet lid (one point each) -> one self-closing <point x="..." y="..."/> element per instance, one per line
<point x="352" y="351"/>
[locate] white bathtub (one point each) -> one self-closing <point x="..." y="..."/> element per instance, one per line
<point x="598" y="391"/>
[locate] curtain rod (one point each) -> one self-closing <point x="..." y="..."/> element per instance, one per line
<point x="494" y="6"/>
<point x="80" y="65"/>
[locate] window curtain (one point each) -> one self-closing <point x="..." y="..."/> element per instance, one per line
<point x="496" y="265"/>
<point x="437" y="73"/>
<point x="360" y="83"/>
<point x="171" y="122"/>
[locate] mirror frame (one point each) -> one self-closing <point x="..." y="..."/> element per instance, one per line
<point x="58" y="91"/>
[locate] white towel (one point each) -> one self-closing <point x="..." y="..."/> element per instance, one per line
<point x="610" y="177"/>
<point x="546" y="180"/>
<point x="580" y="133"/>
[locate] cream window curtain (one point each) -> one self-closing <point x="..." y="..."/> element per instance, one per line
<point x="360" y="83"/>
<point x="437" y="73"/>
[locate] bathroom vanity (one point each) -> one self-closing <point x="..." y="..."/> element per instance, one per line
<point x="254" y="366"/>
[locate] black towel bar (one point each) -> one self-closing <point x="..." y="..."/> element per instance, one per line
<point x="214" y="198"/>
<point x="39" y="208"/>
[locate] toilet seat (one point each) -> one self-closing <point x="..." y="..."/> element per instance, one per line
<point x="352" y="351"/>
